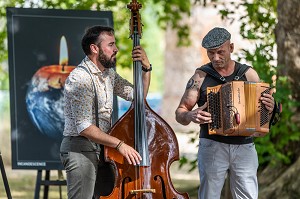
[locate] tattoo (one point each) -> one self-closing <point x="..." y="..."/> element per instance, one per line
<point x="192" y="84"/>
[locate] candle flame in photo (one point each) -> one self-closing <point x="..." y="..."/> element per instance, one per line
<point x="63" y="52"/>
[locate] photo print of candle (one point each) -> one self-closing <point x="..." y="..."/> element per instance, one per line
<point x="45" y="99"/>
<point x="44" y="46"/>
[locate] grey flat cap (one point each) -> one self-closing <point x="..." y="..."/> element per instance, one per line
<point x="215" y="38"/>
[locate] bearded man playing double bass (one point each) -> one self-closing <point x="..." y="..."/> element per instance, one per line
<point x="80" y="149"/>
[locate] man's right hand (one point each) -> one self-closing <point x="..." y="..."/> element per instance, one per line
<point x="131" y="155"/>
<point x="199" y="116"/>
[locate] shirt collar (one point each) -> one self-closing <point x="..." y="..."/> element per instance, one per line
<point x="93" y="68"/>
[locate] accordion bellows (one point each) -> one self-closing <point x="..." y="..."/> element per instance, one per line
<point x="236" y="109"/>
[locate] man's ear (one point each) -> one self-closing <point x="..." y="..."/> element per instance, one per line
<point x="94" y="48"/>
<point x="231" y="47"/>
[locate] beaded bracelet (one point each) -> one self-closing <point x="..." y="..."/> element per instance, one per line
<point x="119" y="145"/>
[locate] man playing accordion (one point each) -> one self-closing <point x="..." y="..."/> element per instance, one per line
<point x="219" y="154"/>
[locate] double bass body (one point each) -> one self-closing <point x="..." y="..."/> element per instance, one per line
<point x="145" y="182"/>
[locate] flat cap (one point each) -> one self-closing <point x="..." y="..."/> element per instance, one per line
<point x="215" y="38"/>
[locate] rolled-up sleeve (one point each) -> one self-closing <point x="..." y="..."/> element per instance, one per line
<point x="123" y="88"/>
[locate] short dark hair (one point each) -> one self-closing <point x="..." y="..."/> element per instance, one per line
<point x="91" y="37"/>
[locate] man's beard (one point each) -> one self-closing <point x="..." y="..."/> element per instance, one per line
<point x="106" y="61"/>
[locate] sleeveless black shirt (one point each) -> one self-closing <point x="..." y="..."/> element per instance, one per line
<point x="212" y="81"/>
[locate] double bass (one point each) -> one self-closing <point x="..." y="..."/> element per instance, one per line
<point x="141" y="128"/>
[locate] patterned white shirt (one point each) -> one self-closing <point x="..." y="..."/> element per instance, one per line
<point x="79" y="97"/>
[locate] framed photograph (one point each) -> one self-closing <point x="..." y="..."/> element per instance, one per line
<point x="44" y="46"/>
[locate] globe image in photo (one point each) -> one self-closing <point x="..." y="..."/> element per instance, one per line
<point x="45" y="99"/>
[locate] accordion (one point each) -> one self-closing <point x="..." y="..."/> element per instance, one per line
<point x="236" y="109"/>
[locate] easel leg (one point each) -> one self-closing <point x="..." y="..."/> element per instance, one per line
<point x="46" y="187"/>
<point x="4" y="178"/>
<point x="46" y="183"/>
<point x="38" y="184"/>
<point x="60" y="177"/>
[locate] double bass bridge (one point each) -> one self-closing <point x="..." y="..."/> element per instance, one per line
<point x="137" y="191"/>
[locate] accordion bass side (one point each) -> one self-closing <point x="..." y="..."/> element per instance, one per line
<point x="236" y="109"/>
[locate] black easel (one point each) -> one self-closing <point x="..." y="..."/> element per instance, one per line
<point x="4" y="178"/>
<point x="46" y="183"/>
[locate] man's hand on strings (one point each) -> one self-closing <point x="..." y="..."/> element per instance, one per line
<point x="139" y="54"/>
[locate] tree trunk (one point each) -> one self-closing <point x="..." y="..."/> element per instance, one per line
<point x="284" y="185"/>
<point x="281" y="181"/>
<point x="288" y="42"/>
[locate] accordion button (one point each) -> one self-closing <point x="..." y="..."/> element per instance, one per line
<point x="237" y="118"/>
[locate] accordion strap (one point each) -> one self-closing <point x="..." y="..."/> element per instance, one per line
<point x="241" y="72"/>
<point x="212" y="72"/>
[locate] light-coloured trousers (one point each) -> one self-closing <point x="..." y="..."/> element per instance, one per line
<point x="215" y="159"/>
<point x="80" y="160"/>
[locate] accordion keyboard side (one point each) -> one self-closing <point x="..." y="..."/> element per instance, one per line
<point x="256" y="111"/>
<point x="264" y="113"/>
<point x="214" y="108"/>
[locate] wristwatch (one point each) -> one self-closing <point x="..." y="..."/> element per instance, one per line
<point x="147" y="69"/>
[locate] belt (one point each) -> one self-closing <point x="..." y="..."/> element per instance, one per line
<point x="78" y="144"/>
<point x="75" y="137"/>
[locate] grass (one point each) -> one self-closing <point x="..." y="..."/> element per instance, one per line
<point x="22" y="185"/>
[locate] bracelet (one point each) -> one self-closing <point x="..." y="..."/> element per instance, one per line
<point x="147" y="69"/>
<point x="119" y="145"/>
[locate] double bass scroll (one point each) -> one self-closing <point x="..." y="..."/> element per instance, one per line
<point x="143" y="129"/>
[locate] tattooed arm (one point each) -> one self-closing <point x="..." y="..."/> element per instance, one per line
<point x="185" y="113"/>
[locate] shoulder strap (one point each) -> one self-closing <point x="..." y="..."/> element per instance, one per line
<point x="101" y="155"/>
<point x="242" y="70"/>
<point x="212" y="72"/>
<point x="276" y="114"/>
<point x="96" y="96"/>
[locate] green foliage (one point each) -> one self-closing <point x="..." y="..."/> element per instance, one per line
<point x="192" y="163"/>
<point x="3" y="50"/>
<point x="3" y="79"/>
<point x="172" y="15"/>
<point x="258" y="25"/>
<point x="277" y="146"/>
<point x="163" y="12"/>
